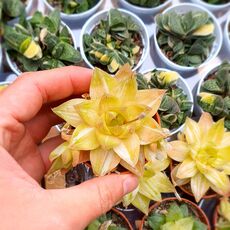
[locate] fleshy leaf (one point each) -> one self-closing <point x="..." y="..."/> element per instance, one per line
<point x="192" y="131"/>
<point x="128" y="149"/>
<point x="142" y="203"/>
<point x="84" y="138"/>
<point x="103" y="161"/>
<point x="68" y="112"/>
<point x="177" y="181"/>
<point x="187" y="169"/>
<point x="199" y="186"/>
<point x="178" y="150"/>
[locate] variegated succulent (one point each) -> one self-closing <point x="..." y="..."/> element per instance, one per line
<point x="202" y="152"/>
<point x="175" y="106"/>
<point x="185" y="39"/>
<point x="173" y="216"/>
<point x="40" y="43"/>
<point x="224" y="214"/>
<point x="73" y="6"/>
<point x="115" y="123"/>
<point x="214" y="96"/>
<point x="146" y="3"/>
<point x="114" y="42"/>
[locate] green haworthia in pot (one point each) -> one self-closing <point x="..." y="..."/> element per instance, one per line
<point x="73" y="6"/>
<point x="185" y="39"/>
<point x="214" y="93"/>
<point x="114" y="42"/>
<point x="176" y="105"/>
<point x="146" y="3"/>
<point x="40" y="43"/>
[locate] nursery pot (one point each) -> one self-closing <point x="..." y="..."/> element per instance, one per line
<point x="193" y="207"/>
<point x="145" y="11"/>
<point x="227" y="34"/>
<point x="76" y="16"/>
<point x="92" y="22"/>
<point x="213" y="7"/>
<point x="184" y="8"/>
<point x="186" y="188"/>
<point x="120" y="214"/>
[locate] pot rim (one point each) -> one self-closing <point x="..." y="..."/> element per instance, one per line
<point x="144" y="35"/>
<point x="201" y="214"/>
<point x="212" y="6"/>
<point x="210" y="57"/>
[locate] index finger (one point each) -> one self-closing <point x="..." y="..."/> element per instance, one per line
<point x="25" y="97"/>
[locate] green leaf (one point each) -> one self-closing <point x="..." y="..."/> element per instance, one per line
<point x="174" y="213"/>
<point x="156" y="220"/>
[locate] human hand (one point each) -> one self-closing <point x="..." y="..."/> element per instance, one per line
<point x="26" y="118"/>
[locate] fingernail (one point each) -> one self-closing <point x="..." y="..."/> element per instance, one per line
<point x="130" y="183"/>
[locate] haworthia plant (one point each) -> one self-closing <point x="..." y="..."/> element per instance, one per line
<point x="146" y="3"/>
<point x="40" y="43"/>
<point x="174" y="217"/>
<point x="185" y="39"/>
<point x="106" y="222"/>
<point x="114" y="42"/>
<point x="73" y="6"/>
<point x="175" y="106"/>
<point x="224" y="215"/>
<point x="215" y="94"/>
<point x="216" y="1"/>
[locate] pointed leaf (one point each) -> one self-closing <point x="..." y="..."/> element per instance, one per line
<point x="177" y="181"/>
<point x="187" y="169"/>
<point x="142" y="203"/>
<point x="178" y="150"/>
<point x="192" y="131"/>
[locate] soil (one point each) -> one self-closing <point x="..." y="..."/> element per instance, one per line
<point x="118" y="220"/>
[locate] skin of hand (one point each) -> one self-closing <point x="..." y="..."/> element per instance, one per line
<point x="25" y="119"/>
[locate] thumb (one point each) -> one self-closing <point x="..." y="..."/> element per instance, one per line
<point x="82" y="204"/>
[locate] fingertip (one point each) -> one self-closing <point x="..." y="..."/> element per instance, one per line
<point x="130" y="182"/>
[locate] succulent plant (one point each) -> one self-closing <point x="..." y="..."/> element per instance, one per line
<point x="216" y="1"/>
<point x="214" y="95"/>
<point x="202" y="150"/>
<point x="146" y="3"/>
<point x="40" y="43"/>
<point x="224" y="214"/>
<point x="114" y="42"/>
<point x="154" y="181"/>
<point x="73" y="6"/>
<point x="173" y="216"/>
<point x="115" y="123"/>
<point x="185" y="39"/>
<point x="108" y="221"/>
<point x="175" y="105"/>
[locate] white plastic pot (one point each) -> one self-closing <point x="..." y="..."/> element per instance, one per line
<point x="76" y="17"/>
<point x="213" y="7"/>
<point x="181" y="9"/>
<point x="181" y="83"/>
<point x="102" y="15"/>
<point x="143" y="10"/>
<point x="227" y="34"/>
<point x="12" y="64"/>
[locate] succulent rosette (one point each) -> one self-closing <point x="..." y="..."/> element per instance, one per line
<point x="112" y="122"/>
<point x="202" y="150"/>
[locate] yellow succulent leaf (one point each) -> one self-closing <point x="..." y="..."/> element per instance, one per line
<point x="33" y="51"/>
<point x="177" y="181"/>
<point x="199" y="185"/>
<point x="224" y="210"/>
<point x="101" y="83"/>
<point x="129" y="149"/>
<point x="103" y="161"/>
<point x="204" y="30"/>
<point x="187" y="169"/>
<point x="57" y="165"/>
<point x="151" y="98"/>
<point x="125" y="72"/>
<point x="150" y="131"/>
<point x="205" y="122"/>
<point x="129" y="198"/>
<point x="75" y="157"/>
<point x="109" y="103"/>
<point x="68" y="112"/>
<point x="61" y="149"/>
<point x="226" y="140"/>
<point x="88" y="111"/>
<point x="178" y="150"/>
<point x="216" y="132"/>
<point x="107" y="141"/>
<point x="219" y="180"/>
<point x="67" y="157"/>
<point x="142" y="203"/>
<point x="192" y="132"/>
<point x="84" y="138"/>
<point x="168" y="77"/>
